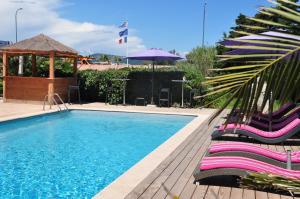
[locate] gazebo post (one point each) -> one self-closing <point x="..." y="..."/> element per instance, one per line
<point x="5" y="69"/>
<point x="75" y="68"/>
<point x="33" y="63"/>
<point x="51" y="77"/>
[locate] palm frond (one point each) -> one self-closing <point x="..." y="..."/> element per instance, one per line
<point x="272" y="67"/>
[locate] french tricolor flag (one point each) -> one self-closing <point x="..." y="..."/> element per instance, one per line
<point x="122" y="40"/>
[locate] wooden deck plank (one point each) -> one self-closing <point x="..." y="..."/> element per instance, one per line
<point x="224" y="193"/>
<point x="261" y="195"/>
<point x="212" y="193"/>
<point x="199" y="192"/>
<point x="189" y="190"/>
<point x="273" y="196"/>
<point x="236" y="193"/>
<point x="248" y="194"/>
<point x="286" y="197"/>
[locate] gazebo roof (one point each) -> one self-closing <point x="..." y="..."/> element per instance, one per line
<point x="40" y="44"/>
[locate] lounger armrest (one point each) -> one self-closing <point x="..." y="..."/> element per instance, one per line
<point x="289" y="160"/>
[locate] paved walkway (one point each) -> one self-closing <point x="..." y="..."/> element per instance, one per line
<point x="17" y="109"/>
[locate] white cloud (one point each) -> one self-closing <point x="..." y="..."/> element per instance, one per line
<point x="43" y="17"/>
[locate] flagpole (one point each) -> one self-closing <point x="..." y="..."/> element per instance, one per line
<point x="203" y="28"/>
<point x="127" y="47"/>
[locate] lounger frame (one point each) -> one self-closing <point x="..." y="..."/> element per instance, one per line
<point x="199" y="175"/>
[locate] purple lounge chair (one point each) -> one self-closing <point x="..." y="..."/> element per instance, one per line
<point x="276" y="125"/>
<point x="280" y="159"/>
<point x="238" y="166"/>
<point x="276" y="116"/>
<point x="263" y="136"/>
<point x="279" y="113"/>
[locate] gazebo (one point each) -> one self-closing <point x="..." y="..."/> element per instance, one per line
<point x="34" y="89"/>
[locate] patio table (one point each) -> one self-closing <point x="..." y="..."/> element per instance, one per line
<point x="124" y="88"/>
<point x="182" y="81"/>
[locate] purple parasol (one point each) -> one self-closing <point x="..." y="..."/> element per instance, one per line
<point x="266" y="36"/>
<point x="154" y="55"/>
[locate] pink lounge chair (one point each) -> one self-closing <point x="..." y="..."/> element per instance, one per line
<point x="238" y="166"/>
<point x="263" y="136"/>
<point x="280" y="159"/>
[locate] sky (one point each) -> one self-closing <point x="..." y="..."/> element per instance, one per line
<point x="91" y="26"/>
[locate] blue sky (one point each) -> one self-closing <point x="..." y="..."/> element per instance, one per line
<point x="167" y="24"/>
<point x="91" y="26"/>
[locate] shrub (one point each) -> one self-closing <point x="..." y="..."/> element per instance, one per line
<point x="94" y="84"/>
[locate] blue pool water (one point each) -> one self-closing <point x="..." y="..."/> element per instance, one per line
<point x="76" y="154"/>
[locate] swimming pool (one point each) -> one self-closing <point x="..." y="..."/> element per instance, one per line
<point x="76" y="154"/>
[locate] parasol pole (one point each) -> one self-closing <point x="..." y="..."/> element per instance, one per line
<point x="127" y="52"/>
<point x="152" y="82"/>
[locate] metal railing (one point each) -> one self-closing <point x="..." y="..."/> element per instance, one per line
<point x="52" y="99"/>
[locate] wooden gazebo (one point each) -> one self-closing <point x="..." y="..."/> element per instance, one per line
<point x="20" y="88"/>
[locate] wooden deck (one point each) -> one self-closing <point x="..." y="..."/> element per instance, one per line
<point x="176" y="173"/>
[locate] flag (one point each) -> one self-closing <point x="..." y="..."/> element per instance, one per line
<point x="120" y="41"/>
<point x="123" y="33"/>
<point x="124" y="25"/>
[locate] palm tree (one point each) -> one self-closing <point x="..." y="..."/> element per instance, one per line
<point x="272" y="67"/>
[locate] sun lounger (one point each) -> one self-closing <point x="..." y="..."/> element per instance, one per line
<point x="276" y="125"/>
<point x="277" y="120"/>
<point x="276" y="114"/>
<point x="238" y="166"/>
<point x="263" y="136"/>
<point x="256" y="152"/>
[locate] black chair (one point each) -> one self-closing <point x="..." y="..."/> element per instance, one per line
<point x="140" y="99"/>
<point x="164" y="96"/>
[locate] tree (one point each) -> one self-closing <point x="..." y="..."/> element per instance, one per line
<point x="277" y="68"/>
<point x="243" y="23"/>
<point x="117" y="59"/>
<point x="104" y="58"/>
<point x="202" y="57"/>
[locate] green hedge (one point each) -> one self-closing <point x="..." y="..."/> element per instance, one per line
<point x="94" y="84"/>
